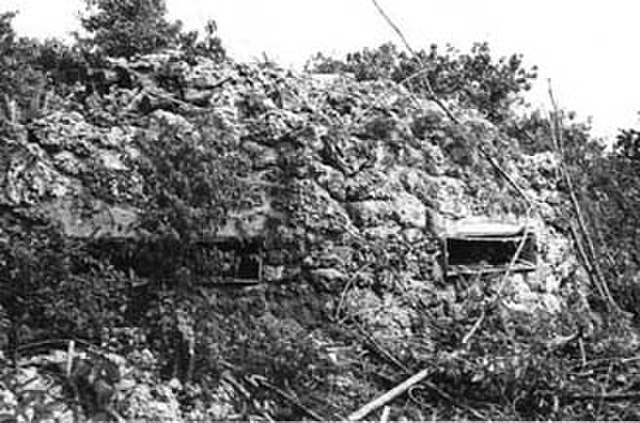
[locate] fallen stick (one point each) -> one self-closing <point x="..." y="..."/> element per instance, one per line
<point x="583" y="352"/>
<point x="385" y="414"/>
<point x="70" y="353"/>
<point x="388" y="396"/>
<point x="474" y="328"/>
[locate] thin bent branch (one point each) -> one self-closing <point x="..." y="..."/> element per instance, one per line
<point x="590" y="256"/>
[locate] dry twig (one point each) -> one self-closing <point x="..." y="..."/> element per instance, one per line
<point x="70" y="354"/>
<point x="585" y="260"/>
<point x="385" y="414"/>
<point x="596" y="274"/>
<point x="388" y="396"/>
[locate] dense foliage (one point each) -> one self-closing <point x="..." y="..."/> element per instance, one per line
<point x="608" y="185"/>
<point x="474" y="79"/>
<point x="122" y="28"/>
<point x="193" y="179"/>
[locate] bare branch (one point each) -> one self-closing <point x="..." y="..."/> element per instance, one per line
<point x="590" y="256"/>
<point x="388" y="396"/>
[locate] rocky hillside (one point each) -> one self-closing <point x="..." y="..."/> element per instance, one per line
<point x="233" y="241"/>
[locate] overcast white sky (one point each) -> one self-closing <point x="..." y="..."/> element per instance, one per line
<point x="588" y="48"/>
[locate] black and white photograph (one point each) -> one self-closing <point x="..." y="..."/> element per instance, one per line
<point x="319" y="210"/>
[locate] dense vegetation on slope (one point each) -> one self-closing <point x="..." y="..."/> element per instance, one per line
<point x="123" y="152"/>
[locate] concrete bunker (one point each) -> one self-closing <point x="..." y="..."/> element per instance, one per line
<point x="472" y="248"/>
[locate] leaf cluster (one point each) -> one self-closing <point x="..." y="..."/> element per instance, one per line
<point x="50" y="287"/>
<point x="192" y="179"/>
<point x="123" y="28"/>
<point x="475" y="79"/>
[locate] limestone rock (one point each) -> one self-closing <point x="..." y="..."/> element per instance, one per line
<point x="418" y="183"/>
<point x="261" y="156"/>
<point x="404" y="208"/>
<point x="68" y="163"/>
<point x="435" y="160"/>
<point x="93" y="219"/>
<point x="330" y="179"/>
<point x="273" y="273"/>
<point x="24" y="404"/>
<point x="111" y="161"/>
<point x="160" y="118"/>
<point x="317" y="211"/>
<point x="61" y="131"/>
<point x="384" y="231"/>
<point x="540" y="170"/>
<point x="27" y="176"/>
<point x="389" y="321"/>
<point x="409" y="211"/>
<point x="370" y="185"/>
<point x="328" y="275"/>
<point x="333" y="256"/>
<point x="252" y="221"/>
<point x="198" y="97"/>
<point x="448" y="196"/>
<point x="371" y="212"/>
<point x="157" y="403"/>
<point x="205" y="74"/>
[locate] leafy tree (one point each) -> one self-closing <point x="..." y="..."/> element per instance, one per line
<point x="123" y="28"/>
